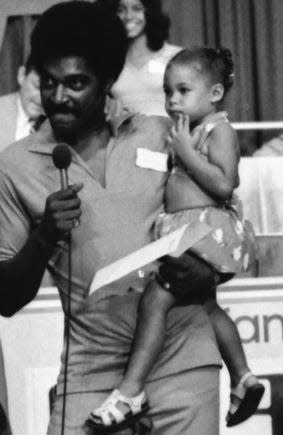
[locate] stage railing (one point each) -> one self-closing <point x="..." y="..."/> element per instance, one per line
<point x="258" y="125"/>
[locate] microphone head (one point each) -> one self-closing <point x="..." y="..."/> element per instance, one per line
<point x="61" y="156"/>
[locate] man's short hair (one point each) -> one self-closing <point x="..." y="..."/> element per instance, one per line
<point x="83" y="29"/>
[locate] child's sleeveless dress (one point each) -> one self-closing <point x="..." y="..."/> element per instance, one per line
<point x="230" y="247"/>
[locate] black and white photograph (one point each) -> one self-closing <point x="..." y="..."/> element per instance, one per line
<point x="141" y="217"/>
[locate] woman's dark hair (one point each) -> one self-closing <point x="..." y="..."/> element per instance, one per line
<point x="157" y="22"/>
<point x="216" y="63"/>
<point x="84" y="29"/>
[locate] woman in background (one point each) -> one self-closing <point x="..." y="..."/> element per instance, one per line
<point x="139" y="87"/>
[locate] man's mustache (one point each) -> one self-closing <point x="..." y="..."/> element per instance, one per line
<point x="54" y="109"/>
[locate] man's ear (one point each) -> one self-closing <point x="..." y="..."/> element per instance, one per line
<point x="21" y="75"/>
<point x="216" y="93"/>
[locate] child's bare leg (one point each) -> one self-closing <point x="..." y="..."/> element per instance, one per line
<point x="246" y="391"/>
<point x="128" y="400"/>
<point x="229" y="341"/>
<point x="149" y="337"/>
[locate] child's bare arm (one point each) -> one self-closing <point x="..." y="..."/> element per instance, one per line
<point x="219" y="174"/>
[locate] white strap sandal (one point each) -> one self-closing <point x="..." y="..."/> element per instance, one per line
<point x="245" y="399"/>
<point x="108" y="417"/>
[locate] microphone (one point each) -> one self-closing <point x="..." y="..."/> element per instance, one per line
<point x="62" y="157"/>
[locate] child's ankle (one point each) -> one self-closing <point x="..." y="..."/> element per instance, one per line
<point x="235" y="379"/>
<point x="130" y="389"/>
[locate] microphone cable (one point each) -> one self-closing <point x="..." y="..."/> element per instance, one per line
<point x="62" y="157"/>
<point x="67" y="332"/>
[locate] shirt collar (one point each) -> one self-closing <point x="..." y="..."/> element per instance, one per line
<point x="21" y="112"/>
<point x="23" y="124"/>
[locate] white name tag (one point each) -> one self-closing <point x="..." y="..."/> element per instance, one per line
<point x="156" y="67"/>
<point x="152" y="160"/>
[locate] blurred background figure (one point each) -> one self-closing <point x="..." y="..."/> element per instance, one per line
<point x="272" y="148"/>
<point x="21" y="111"/>
<point x="139" y="87"/>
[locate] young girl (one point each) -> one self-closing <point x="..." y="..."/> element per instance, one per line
<point x="200" y="187"/>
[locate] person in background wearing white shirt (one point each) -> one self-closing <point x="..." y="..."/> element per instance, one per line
<point x="20" y="111"/>
<point x="139" y="87"/>
<point x="271" y="148"/>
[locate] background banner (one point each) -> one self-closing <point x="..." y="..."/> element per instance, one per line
<point x="32" y="341"/>
<point x="256" y="306"/>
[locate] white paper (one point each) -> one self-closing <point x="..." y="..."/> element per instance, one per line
<point x="173" y="244"/>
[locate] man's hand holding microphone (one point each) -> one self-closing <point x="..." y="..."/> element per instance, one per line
<point x="62" y="208"/>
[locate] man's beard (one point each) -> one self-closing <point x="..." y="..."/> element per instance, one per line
<point x="73" y="132"/>
<point x="81" y="122"/>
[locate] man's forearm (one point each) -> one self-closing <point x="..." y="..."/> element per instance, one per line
<point x="21" y="276"/>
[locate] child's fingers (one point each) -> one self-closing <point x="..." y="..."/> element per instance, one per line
<point x="173" y="131"/>
<point x="186" y="123"/>
<point x="179" y="123"/>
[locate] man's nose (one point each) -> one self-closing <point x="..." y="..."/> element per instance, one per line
<point x="60" y="95"/>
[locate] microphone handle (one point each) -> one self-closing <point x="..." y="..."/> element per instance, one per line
<point x="64" y="178"/>
<point x="64" y="185"/>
